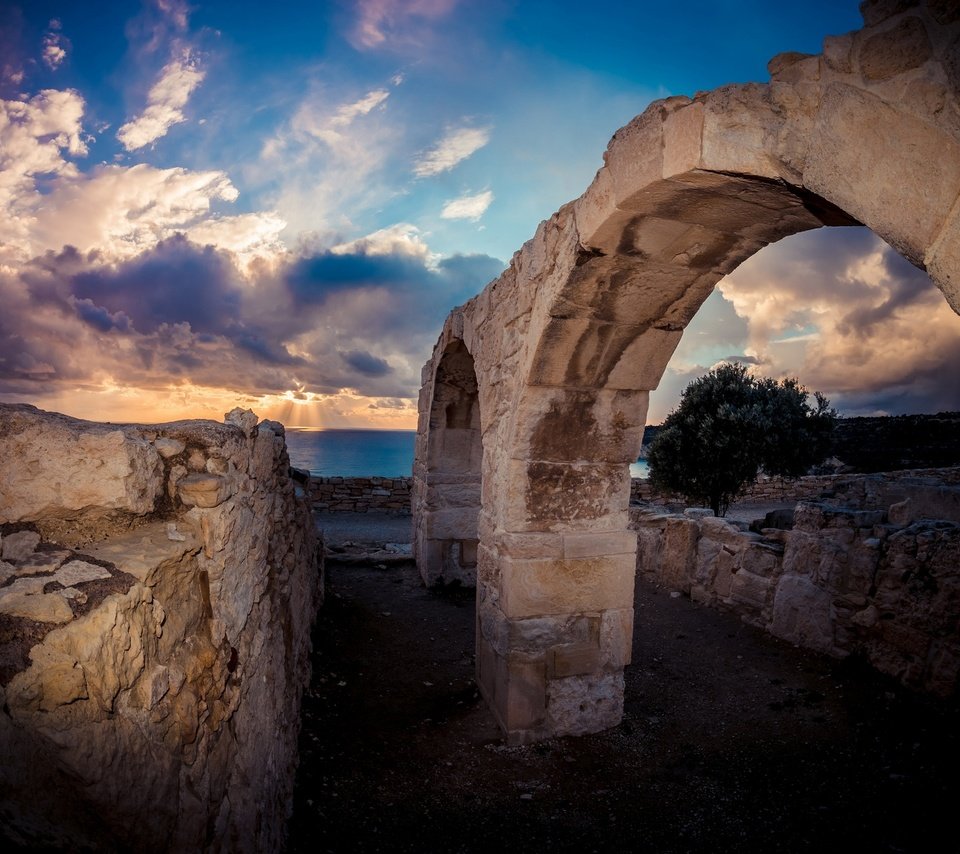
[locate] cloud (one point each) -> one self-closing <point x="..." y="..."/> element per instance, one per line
<point x="380" y="22"/>
<point x="468" y="207"/>
<point x="165" y="103"/>
<point x="857" y="319"/>
<point x="359" y="321"/>
<point x="54" y="46"/>
<point x="122" y="211"/>
<point x="454" y="147"/>
<point x="36" y="135"/>
<point x="329" y="161"/>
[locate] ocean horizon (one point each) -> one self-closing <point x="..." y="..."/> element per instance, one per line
<point x="357" y="452"/>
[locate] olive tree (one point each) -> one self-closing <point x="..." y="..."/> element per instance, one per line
<point x="729" y="427"/>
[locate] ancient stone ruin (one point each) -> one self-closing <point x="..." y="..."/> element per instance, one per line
<point x="533" y="403"/>
<point x="157" y="587"/>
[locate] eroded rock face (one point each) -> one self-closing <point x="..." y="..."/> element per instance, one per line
<point x="154" y="632"/>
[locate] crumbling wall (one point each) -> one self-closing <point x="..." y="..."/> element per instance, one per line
<point x="157" y="589"/>
<point x="883" y="584"/>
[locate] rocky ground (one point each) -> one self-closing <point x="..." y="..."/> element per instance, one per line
<point x="731" y="740"/>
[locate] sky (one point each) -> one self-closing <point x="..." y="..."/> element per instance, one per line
<point x="219" y="204"/>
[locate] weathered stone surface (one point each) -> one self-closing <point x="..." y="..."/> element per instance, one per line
<point x="168" y="706"/>
<point x="59" y="466"/>
<point x="168" y="447"/>
<point x="895" y="51"/>
<point x="78" y="572"/>
<point x="203" y="490"/>
<point x="20" y="545"/>
<point x="25" y="598"/>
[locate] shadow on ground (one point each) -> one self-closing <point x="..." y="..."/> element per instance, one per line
<point x="731" y="741"/>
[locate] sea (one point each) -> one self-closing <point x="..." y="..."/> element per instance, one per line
<point x="364" y="453"/>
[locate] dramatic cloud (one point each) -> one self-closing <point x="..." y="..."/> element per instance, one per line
<point x="467" y="207"/>
<point x="165" y="103"/>
<point x="455" y="147"/>
<point x="856" y="317"/>
<point x="358" y="321"/>
<point x="382" y="21"/>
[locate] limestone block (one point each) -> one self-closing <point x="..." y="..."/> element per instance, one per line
<point x="41" y="562"/>
<point x="25" y="598"/>
<point x="682" y="137"/>
<point x="54" y="466"/>
<point x="644" y="360"/>
<point x="145" y="550"/>
<point x="679" y="553"/>
<point x="79" y="572"/>
<point x="583" y="544"/>
<point x="749" y="589"/>
<point x="245" y="419"/>
<point x="884" y="181"/>
<point x="738" y="124"/>
<point x="537" y="587"/>
<point x="837" y="53"/>
<point x="583" y="704"/>
<point x="574" y="659"/>
<point x="203" y="490"/>
<point x="802" y="614"/>
<point x="876" y="11"/>
<point x="634" y="157"/>
<point x="20" y="545"/>
<point x="616" y="638"/>
<point x="167" y="447"/>
<point x="893" y="51"/>
<point x="943" y="259"/>
<point x="453" y="523"/>
<point x="547" y="496"/>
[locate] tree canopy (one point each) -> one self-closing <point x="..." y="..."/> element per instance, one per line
<point x="729" y="427"/>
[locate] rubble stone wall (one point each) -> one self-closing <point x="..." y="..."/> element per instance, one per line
<point x="157" y="588"/>
<point x="879" y="582"/>
<point x="361" y="494"/>
<point x="812" y="486"/>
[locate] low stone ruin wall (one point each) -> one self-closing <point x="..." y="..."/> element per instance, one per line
<point x="361" y="494"/>
<point x="157" y="588"/>
<point x="809" y="487"/>
<point x="882" y="582"/>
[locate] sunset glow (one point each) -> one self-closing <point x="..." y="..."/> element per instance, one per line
<point x="206" y="206"/>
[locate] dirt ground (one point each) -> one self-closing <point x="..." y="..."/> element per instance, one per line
<point x="731" y="741"/>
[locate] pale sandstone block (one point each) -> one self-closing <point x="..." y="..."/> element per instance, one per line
<point x="573" y="659"/>
<point x="599" y="544"/>
<point x="583" y="704"/>
<point x="943" y="259"/>
<point x="537" y="587"/>
<point x="682" y="138"/>
<point x="885" y="180"/>
<point x="802" y="614"/>
<point x="644" y="360"/>
<point x="616" y="638"/>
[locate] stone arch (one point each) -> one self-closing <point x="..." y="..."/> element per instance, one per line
<point x="448" y="472"/>
<point x="569" y="341"/>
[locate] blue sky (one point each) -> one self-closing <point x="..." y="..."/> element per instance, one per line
<point x="212" y="203"/>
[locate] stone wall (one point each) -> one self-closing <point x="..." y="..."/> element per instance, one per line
<point x="812" y="486"/>
<point x="879" y="582"/>
<point x="157" y="588"/>
<point x="361" y="494"/>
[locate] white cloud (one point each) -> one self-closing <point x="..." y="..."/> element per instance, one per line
<point x="455" y="146"/>
<point x="380" y="21"/>
<point x="247" y="236"/>
<point x="122" y="211"/>
<point x="400" y="239"/>
<point x="329" y="160"/>
<point x="35" y="135"/>
<point x="176" y="11"/>
<point x="54" y="46"/>
<point x="468" y="207"/>
<point x="165" y="103"/>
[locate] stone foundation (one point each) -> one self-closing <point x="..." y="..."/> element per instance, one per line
<point x="874" y="572"/>
<point x="157" y="588"/>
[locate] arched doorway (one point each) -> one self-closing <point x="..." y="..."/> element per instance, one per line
<point x="569" y="341"/>
<point x="447" y="480"/>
